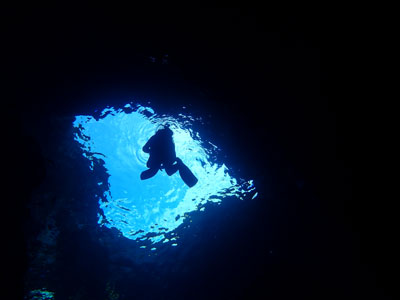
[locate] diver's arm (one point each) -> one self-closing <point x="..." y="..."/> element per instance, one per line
<point x="147" y="146"/>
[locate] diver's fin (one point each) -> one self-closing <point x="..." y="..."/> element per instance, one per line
<point x="148" y="173"/>
<point x="186" y="175"/>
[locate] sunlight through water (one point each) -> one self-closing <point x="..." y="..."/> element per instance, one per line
<point x="147" y="210"/>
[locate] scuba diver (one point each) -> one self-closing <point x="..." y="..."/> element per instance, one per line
<point x="161" y="148"/>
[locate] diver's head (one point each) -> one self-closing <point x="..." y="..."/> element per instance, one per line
<point x="165" y="131"/>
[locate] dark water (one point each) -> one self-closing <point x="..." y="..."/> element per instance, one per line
<point x="259" y="87"/>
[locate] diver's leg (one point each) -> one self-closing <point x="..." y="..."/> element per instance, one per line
<point x="187" y="176"/>
<point x="153" y="162"/>
<point x="148" y="173"/>
<point x="153" y="166"/>
<point x="171" y="169"/>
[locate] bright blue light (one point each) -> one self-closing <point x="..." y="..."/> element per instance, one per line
<point x="160" y="204"/>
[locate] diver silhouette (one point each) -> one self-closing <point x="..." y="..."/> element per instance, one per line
<point x="161" y="148"/>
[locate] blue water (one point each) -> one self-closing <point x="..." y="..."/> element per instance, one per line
<point x="150" y="210"/>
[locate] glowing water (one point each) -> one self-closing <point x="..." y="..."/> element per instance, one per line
<point x="149" y="209"/>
